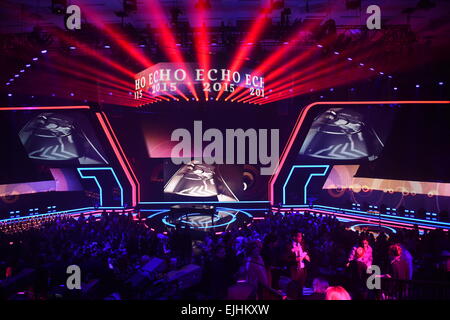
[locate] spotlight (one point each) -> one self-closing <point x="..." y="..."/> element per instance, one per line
<point x="28" y="65"/>
<point x="381" y="73"/>
<point x="9" y="94"/>
<point x="35" y="59"/>
<point x="417" y="85"/>
<point x="371" y="69"/>
<point x="395" y="88"/>
<point x="441" y="83"/>
<point x="349" y="59"/>
<point x="8" y="83"/>
<point x="16" y="75"/>
<point x="331" y="89"/>
<point x="107" y="46"/>
<point x="390" y="77"/>
<point x="336" y="52"/>
<point x="11" y="80"/>
<point x="72" y="94"/>
<point x="22" y="70"/>
<point x="72" y="48"/>
<point x="43" y="51"/>
<point x="361" y="64"/>
<point x="205" y="4"/>
<point x="59" y="6"/>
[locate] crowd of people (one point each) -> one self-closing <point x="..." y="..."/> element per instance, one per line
<point x="281" y="256"/>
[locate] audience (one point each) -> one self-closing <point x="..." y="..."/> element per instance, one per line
<point x="337" y="293"/>
<point x="112" y="251"/>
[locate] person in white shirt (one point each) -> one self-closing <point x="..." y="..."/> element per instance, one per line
<point x="299" y="253"/>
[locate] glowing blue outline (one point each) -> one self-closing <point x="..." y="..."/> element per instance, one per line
<point x="325" y="166"/>
<point x="48" y="214"/>
<point x="233" y="219"/>
<point x="364" y="214"/>
<point x="99" y="186"/>
<point x="372" y="224"/>
<point x="221" y="225"/>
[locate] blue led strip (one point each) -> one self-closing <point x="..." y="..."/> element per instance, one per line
<point x="73" y="211"/>
<point x="390" y="218"/>
<point x="219" y="202"/>
<point x="83" y="176"/>
<point x="233" y="215"/>
<point x="305" y="187"/>
<point x="363" y="214"/>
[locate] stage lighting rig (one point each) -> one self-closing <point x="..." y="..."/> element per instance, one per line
<point x="175" y="13"/>
<point x="352" y="4"/>
<point x="128" y="6"/>
<point x="285" y="13"/>
<point x="59" y="6"/>
<point x="203" y="4"/>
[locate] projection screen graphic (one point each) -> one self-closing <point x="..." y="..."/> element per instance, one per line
<point x="342" y="134"/>
<point x="54" y="136"/>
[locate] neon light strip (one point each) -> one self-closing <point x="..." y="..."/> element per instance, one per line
<point x="370" y="224"/>
<point x="360" y="217"/>
<point x="43" y="108"/>
<point x="176" y="202"/>
<point x="130" y="168"/>
<point x="48" y="214"/>
<point x="387" y="216"/>
<point x="326" y="167"/>
<point x="98" y="183"/>
<point x="301" y="119"/>
<point x="119" y="157"/>
<point x="375" y="218"/>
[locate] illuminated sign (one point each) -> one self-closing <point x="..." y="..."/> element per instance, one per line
<point x="179" y="79"/>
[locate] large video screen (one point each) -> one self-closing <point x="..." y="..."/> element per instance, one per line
<point x="41" y="151"/>
<point x="370" y="156"/>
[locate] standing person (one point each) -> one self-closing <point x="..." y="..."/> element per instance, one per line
<point x="367" y="257"/>
<point x="298" y="256"/>
<point x="400" y="269"/>
<point x="357" y="273"/>
<point x="256" y="270"/>
<point x="401" y="263"/>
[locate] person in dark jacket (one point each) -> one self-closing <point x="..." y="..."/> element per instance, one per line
<point x="357" y="274"/>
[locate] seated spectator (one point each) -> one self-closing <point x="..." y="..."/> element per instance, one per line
<point x="256" y="271"/>
<point x="337" y="293"/>
<point x="242" y="289"/>
<point x="320" y="287"/>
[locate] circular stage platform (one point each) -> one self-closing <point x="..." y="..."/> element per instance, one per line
<point x="223" y="219"/>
